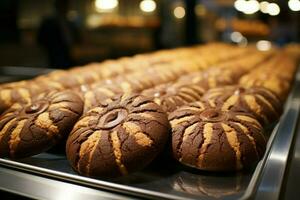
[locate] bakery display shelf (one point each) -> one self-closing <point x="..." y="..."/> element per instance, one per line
<point x="166" y="179"/>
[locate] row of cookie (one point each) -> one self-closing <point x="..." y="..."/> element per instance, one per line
<point x="23" y="91"/>
<point x="59" y="111"/>
<point x="220" y="132"/>
<point x="277" y="75"/>
<point x="192" y="86"/>
<point x="225" y="130"/>
<point x="159" y="79"/>
<point x="125" y="133"/>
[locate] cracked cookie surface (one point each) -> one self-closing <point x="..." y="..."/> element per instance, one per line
<point x="171" y="96"/>
<point x="118" y="137"/>
<point x="259" y="101"/>
<point x="210" y="139"/>
<point x="29" y="129"/>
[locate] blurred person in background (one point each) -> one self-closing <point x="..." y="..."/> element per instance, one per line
<point x="57" y="35"/>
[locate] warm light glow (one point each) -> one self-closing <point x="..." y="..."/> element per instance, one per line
<point x="240" y="5"/>
<point x="147" y="5"/>
<point x="236" y="37"/>
<point x="273" y="9"/>
<point x="294" y="5"/>
<point x="252" y="6"/>
<point x="243" y="43"/>
<point x="106" y="5"/>
<point x="264" y="6"/>
<point x="200" y="10"/>
<point x="179" y="12"/>
<point x="247" y="7"/>
<point x="263" y="45"/>
<point x="93" y="21"/>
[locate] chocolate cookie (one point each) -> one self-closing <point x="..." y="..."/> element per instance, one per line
<point x="275" y="75"/>
<point x="26" y="130"/>
<point x="21" y="92"/>
<point x="92" y="95"/>
<point x="259" y="101"/>
<point x="118" y="137"/>
<point x="139" y="81"/>
<point x="212" y="77"/>
<point x="277" y="85"/>
<point x="210" y="139"/>
<point x="171" y="96"/>
<point x="70" y="80"/>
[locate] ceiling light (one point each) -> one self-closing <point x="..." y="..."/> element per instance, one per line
<point x="179" y="12"/>
<point x="251" y="7"/>
<point x="264" y="6"/>
<point x="263" y="45"/>
<point x="240" y="5"/>
<point x="106" y="5"/>
<point x="147" y="5"/>
<point x="236" y="37"/>
<point x="294" y="5"/>
<point x="273" y="9"/>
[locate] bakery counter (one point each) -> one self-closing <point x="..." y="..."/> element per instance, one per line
<point x="49" y="175"/>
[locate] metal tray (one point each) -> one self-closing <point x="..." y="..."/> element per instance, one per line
<point x="166" y="179"/>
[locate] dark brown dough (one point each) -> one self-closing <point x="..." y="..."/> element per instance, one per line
<point x="171" y="96"/>
<point x="23" y="92"/>
<point x="259" y="101"/>
<point x="26" y="130"/>
<point x="118" y="137"/>
<point x="93" y="94"/>
<point x="11" y="93"/>
<point x="209" y="139"/>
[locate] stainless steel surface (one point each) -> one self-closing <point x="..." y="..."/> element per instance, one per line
<point x="292" y="179"/>
<point x="272" y="176"/>
<point x="274" y="170"/>
<point x="290" y="190"/>
<point x="166" y="179"/>
<point x="42" y="188"/>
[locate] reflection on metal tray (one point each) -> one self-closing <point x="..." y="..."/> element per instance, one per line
<point x="166" y="179"/>
<point x="162" y="179"/>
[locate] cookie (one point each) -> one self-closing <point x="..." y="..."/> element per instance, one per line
<point x="21" y="92"/>
<point x="210" y="139"/>
<point x="277" y="85"/>
<point x="259" y="101"/>
<point x="276" y="75"/>
<point x="26" y="130"/>
<point x="171" y="96"/>
<point x="139" y="81"/>
<point x="93" y="94"/>
<point x="212" y="77"/>
<point x="118" y="137"/>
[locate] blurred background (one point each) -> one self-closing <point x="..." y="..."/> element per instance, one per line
<point x="64" y="33"/>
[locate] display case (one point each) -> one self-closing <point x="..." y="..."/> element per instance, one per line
<point x="49" y="176"/>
